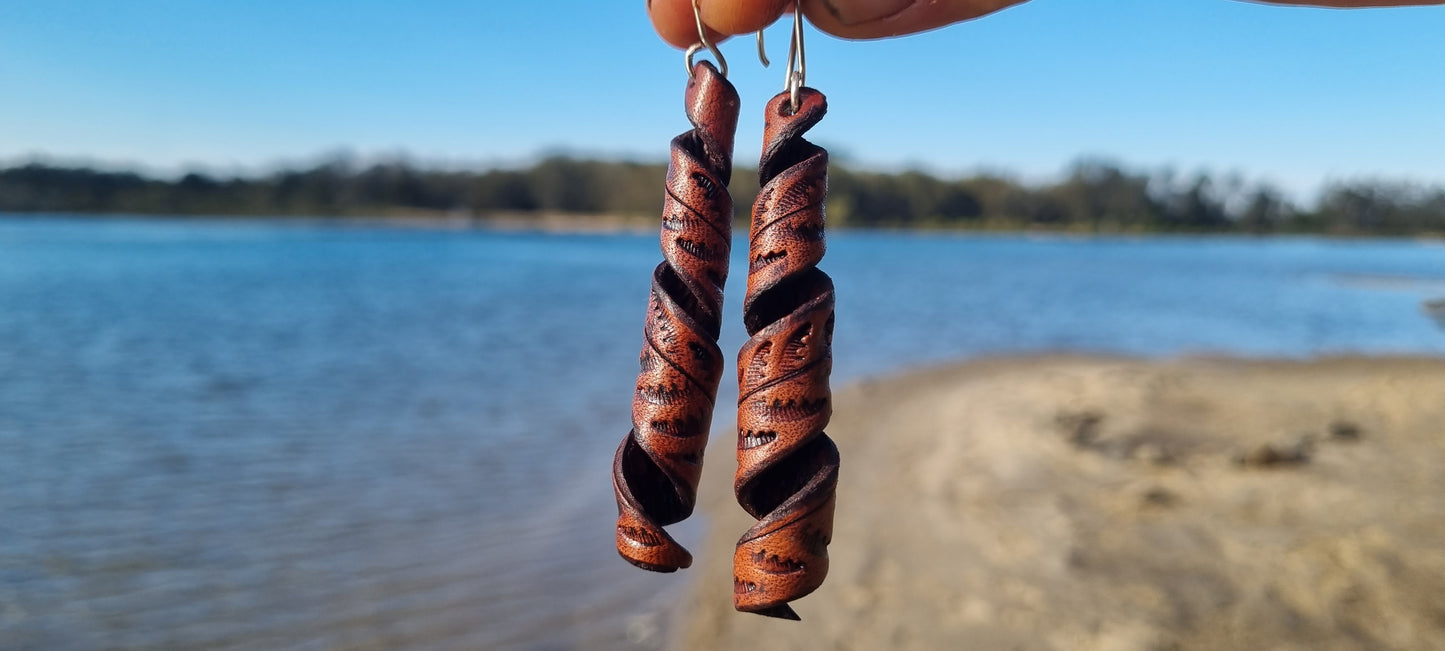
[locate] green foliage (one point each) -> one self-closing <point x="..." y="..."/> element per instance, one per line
<point x="1381" y="208"/>
<point x="1093" y="196"/>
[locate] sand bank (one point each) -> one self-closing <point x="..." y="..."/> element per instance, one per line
<point x="1089" y="503"/>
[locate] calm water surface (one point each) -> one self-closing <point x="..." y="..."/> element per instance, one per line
<point x="296" y="435"/>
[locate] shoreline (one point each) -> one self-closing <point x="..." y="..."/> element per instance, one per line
<point x="556" y="223"/>
<point x="1094" y="502"/>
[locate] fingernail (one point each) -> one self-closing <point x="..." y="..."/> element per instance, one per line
<point x="852" y="12"/>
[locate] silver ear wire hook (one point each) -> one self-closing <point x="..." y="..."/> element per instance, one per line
<point x="797" y="59"/>
<point x="692" y="51"/>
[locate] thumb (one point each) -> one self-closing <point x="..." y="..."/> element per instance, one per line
<point x="883" y="18"/>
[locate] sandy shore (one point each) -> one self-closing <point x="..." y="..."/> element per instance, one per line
<point x="1089" y="503"/>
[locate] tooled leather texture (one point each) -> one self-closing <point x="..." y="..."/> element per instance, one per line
<point x="656" y="469"/>
<point x="787" y="466"/>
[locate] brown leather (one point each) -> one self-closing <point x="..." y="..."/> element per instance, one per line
<point x="657" y="467"/>
<point x="787" y="467"/>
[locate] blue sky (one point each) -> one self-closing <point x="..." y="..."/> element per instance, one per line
<point x="1296" y="96"/>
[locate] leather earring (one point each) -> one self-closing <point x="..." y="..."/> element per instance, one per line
<point x="656" y="470"/>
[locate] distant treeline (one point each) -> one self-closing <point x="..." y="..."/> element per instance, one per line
<point x="1092" y="196"/>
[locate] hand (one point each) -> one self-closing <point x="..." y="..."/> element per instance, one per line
<point x="674" y="21"/>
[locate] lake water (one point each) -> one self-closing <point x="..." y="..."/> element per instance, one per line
<point x="274" y="434"/>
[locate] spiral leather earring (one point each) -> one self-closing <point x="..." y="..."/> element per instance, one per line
<point x="787" y="467"/>
<point x="657" y="467"/>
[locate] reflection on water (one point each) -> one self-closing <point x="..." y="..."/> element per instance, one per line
<point x="278" y="434"/>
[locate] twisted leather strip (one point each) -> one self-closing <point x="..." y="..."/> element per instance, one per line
<point x="657" y="467"/>
<point x="787" y="467"/>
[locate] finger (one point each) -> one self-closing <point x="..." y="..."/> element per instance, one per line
<point x="674" y="21"/>
<point x="742" y="16"/>
<point x="883" y="18"/>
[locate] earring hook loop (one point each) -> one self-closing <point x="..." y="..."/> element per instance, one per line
<point x="703" y="43"/>
<point x="797" y="58"/>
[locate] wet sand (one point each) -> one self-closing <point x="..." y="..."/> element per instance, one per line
<point x="1094" y="503"/>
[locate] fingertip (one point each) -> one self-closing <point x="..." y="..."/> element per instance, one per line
<point x="675" y="23"/>
<point x="844" y="19"/>
<point x="741" y="16"/>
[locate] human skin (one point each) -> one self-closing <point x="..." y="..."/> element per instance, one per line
<point x="865" y="19"/>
